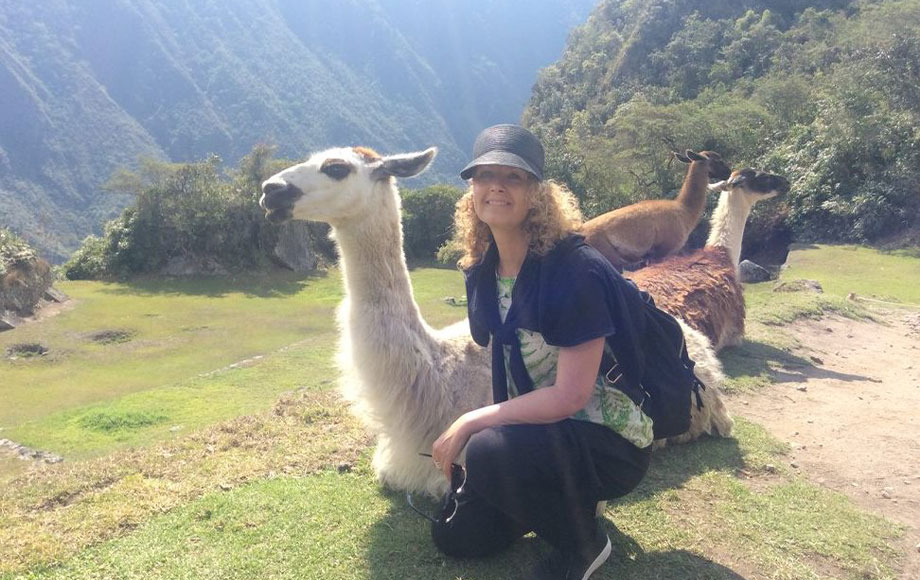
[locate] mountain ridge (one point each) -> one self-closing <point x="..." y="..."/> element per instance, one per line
<point x="89" y="87"/>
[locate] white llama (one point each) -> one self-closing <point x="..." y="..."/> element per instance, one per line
<point x="407" y="381"/>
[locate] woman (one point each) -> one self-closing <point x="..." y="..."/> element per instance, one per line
<point x="559" y="437"/>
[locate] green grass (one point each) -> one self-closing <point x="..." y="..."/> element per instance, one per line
<point x="174" y="374"/>
<point x="344" y="526"/>
<point x="889" y="276"/>
<point x="171" y="410"/>
<point x="149" y="499"/>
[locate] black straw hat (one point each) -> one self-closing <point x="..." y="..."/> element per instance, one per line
<point x="511" y="145"/>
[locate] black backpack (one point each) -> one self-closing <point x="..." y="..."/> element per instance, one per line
<point x="664" y="392"/>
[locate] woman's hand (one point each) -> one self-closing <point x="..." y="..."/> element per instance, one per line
<point x="451" y="442"/>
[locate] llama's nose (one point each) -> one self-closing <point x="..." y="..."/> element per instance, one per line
<point x="270" y="187"/>
<point x="278" y="194"/>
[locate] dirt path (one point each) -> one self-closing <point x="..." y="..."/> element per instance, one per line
<point x="853" y="420"/>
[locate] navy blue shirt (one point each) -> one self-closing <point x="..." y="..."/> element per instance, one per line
<point x="570" y="296"/>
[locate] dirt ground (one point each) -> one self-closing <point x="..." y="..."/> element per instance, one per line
<point x="853" y="420"/>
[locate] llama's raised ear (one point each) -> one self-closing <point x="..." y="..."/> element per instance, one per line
<point x="720" y="185"/>
<point x="680" y="157"/>
<point x="404" y="165"/>
<point x="693" y="155"/>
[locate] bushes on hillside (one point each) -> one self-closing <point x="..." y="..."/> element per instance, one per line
<point x="24" y="277"/>
<point x="195" y="210"/>
<point x="428" y="215"/>
<point x="826" y="95"/>
<point x="182" y="210"/>
<point x="13" y="251"/>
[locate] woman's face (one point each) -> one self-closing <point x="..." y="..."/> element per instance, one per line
<point x="501" y="195"/>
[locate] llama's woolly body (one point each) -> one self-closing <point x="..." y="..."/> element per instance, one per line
<point x="407" y="382"/>
<point x="702" y="290"/>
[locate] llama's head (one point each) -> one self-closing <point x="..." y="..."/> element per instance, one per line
<point x="337" y="184"/>
<point x="717" y="168"/>
<point x="754" y="184"/>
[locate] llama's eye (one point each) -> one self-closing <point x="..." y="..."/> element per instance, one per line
<point x="336" y="169"/>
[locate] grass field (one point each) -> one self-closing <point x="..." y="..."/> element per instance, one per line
<point x="180" y="463"/>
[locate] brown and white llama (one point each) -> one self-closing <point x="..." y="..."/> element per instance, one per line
<point x="655" y="228"/>
<point x="702" y="288"/>
<point x="407" y="381"/>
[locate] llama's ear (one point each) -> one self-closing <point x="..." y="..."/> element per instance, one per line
<point x="695" y="156"/>
<point x="720" y="185"/>
<point x="405" y="165"/>
<point x="681" y="157"/>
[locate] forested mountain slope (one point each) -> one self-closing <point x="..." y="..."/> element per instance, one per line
<point x="825" y="92"/>
<point x="88" y="86"/>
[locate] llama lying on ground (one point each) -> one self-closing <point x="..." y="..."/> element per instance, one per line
<point x="655" y="228"/>
<point x="702" y="288"/>
<point x="407" y="381"/>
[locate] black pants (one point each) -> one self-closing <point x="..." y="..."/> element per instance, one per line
<point x="542" y="478"/>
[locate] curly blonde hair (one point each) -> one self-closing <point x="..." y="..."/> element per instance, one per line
<point x="554" y="215"/>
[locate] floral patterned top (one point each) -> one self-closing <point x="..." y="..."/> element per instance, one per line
<point x="608" y="405"/>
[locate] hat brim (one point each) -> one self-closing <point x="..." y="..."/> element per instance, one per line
<point x="499" y="158"/>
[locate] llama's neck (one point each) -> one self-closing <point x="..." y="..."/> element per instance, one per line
<point x="380" y="309"/>
<point x="693" y="191"/>
<point x="728" y="222"/>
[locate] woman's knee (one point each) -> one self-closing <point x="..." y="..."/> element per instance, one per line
<point x="486" y="448"/>
<point x="468" y="542"/>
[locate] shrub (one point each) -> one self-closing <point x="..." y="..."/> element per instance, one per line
<point x="428" y="217"/>
<point x="183" y="210"/>
<point x="89" y="262"/>
<point x="14" y="251"/>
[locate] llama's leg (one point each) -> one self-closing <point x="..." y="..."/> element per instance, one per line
<point x="401" y="467"/>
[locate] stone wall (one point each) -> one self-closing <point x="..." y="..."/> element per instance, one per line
<point x="23" y="285"/>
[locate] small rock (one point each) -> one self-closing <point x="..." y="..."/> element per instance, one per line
<point x="770" y="468"/>
<point x="802" y="388"/>
<point x="799" y="286"/>
<point x="886" y="494"/>
<point x="918" y="547"/>
<point x="794" y="465"/>
<point x="749" y="272"/>
<point x="343" y="468"/>
<point x="54" y="295"/>
<point x="816" y="360"/>
<point x="225" y="486"/>
<point x="811" y="420"/>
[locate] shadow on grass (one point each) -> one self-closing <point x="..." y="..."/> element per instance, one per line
<point x="754" y="358"/>
<point x="277" y="283"/>
<point x="673" y="466"/>
<point x="399" y="545"/>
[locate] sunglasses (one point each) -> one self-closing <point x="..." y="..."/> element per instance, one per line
<point x="449" y="507"/>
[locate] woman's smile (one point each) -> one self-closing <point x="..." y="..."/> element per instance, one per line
<point x="500" y="195"/>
